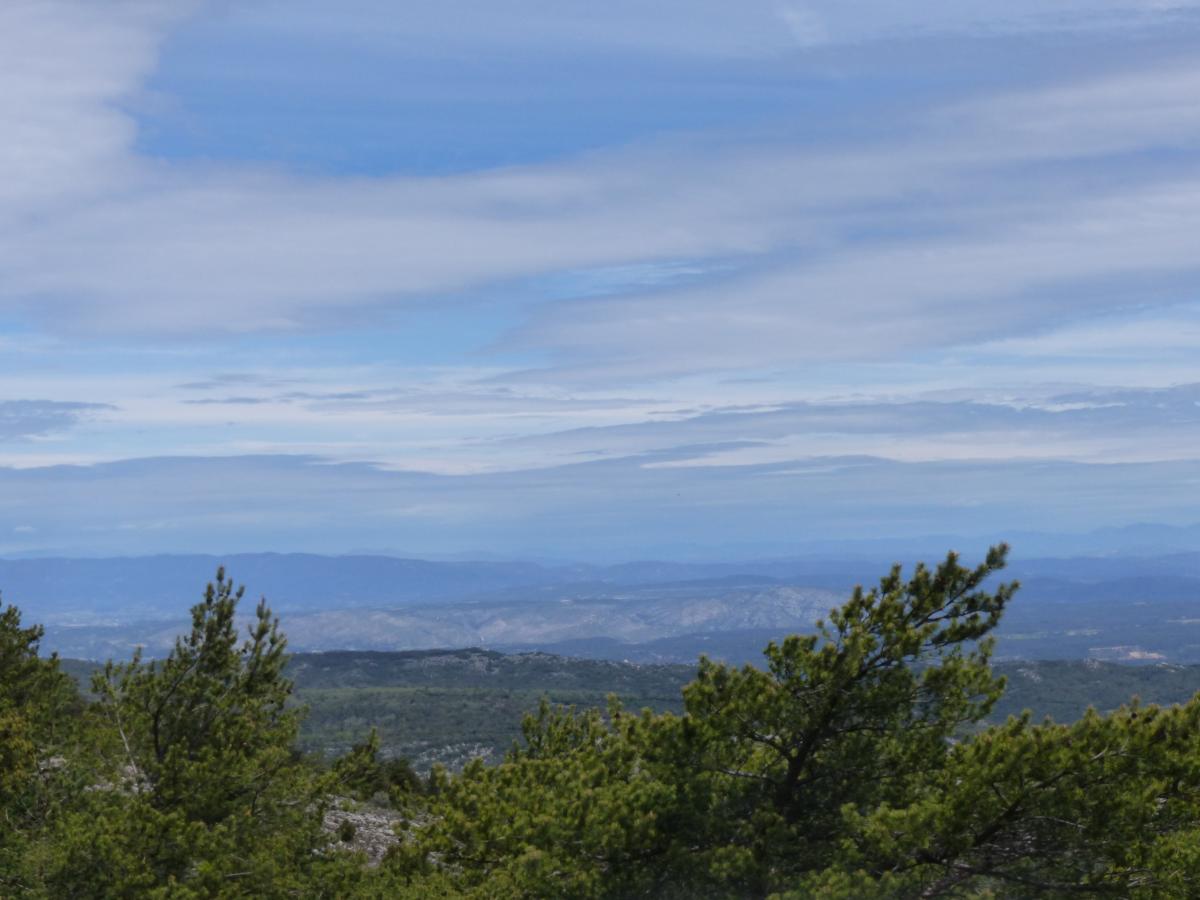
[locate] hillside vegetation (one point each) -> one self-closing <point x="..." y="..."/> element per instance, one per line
<point x="449" y="706"/>
<point x="857" y="761"/>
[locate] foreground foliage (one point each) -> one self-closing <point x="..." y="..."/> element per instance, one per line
<point x="182" y="781"/>
<point x="37" y="705"/>
<point x="845" y="767"/>
<point x="852" y="763"/>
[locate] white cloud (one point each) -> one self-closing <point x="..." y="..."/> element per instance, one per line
<point x="119" y="244"/>
<point x="65" y="67"/>
<point x="888" y="301"/>
<point x="1113" y="113"/>
<point x="215" y="252"/>
<point x="1170" y="334"/>
<point x="124" y="246"/>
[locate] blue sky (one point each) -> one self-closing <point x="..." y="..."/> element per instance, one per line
<point x="594" y="281"/>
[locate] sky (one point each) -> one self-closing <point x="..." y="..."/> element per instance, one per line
<point x="594" y="281"/>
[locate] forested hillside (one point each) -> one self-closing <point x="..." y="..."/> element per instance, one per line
<point x="855" y="762"/>
<point x="449" y="706"/>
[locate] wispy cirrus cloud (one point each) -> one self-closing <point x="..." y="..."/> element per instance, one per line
<point x="911" y="295"/>
<point x="1093" y="425"/>
<point x="188" y="250"/>
<point x="22" y="420"/>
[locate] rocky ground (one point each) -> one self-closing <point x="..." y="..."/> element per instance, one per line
<point x="364" y="827"/>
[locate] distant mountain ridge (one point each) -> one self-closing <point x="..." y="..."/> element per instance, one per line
<point x="1118" y="608"/>
<point x="166" y="584"/>
<point x="291" y="580"/>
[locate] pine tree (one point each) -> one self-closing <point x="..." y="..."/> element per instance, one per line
<point x="204" y="794"/>
<point x="39" y="707"/>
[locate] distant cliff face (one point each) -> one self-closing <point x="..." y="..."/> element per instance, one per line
<point x="633" y="616"/>
<point x="574" y="618"/>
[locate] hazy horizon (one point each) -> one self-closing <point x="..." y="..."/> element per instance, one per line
<point x="1135" y="541"/>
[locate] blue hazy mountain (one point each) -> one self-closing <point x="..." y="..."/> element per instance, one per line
<point x="1127" y="607"/>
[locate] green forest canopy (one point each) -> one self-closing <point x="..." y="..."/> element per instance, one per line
<point x="853" y="763"/>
